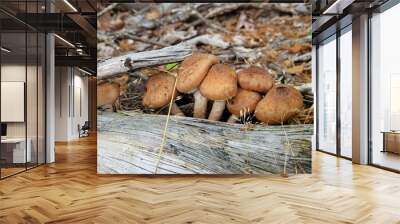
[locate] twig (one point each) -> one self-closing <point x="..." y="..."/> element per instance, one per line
<point x="227" y="8"/>
<point x="241" y="21"/>
<point x="302" y="58"/>
<point x="116" y="65"/>
<point x="107" y="9"/>
<point x="209" y="22"/>
<point x="146" y="41"/>
<point x="220" y="10"/>
<point x="289" y="144"/>
<point x="104" y="36"/>
<point x="165" y="129"/>
<point x="208" y="39"/>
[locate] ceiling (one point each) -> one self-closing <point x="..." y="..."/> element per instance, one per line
<point x="74" y="21"/>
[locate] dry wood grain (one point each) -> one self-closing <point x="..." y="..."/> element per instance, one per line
<point x="128" y="144"/>
<point x="117" y="65"/>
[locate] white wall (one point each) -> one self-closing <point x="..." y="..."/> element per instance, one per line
<point x="12" y="73"/>
<point x="70" y="84"/>
<point x="62" y="81"/>
<point x="33" y="126"/>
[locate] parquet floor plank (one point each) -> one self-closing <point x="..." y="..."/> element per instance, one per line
<point x="70" y="191"/>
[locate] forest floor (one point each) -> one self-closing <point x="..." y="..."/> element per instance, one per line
<point x="276" y="37"/>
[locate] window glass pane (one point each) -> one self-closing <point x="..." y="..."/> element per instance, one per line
<point x="22" y="88"/>
<point x="346" y="94"/>
<point x="327" y="96"/>
<point x="32" y="84"/>
<point x="385" y="83"/>
<point x="41" y="98"/>
<point x="13" y="86"/>
<point x="31" y="97"/>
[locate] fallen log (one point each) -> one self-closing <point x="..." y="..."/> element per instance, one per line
<point x="117" y="65"/>
<point x="130" y="143"/>
<point x="128" y="62"/>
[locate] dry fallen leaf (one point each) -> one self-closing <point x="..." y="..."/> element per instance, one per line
<point x="153" y="14"/>
<point x="298" y="69"/>
<point x="122" y="81"/>
<point x="297" y="48"/>
<point x="103" y="22"/>
<point x="126" y="45"/>
<point x="116" y="24"/>
<point x="271" y="55"/>
<point x="287" y="63"/>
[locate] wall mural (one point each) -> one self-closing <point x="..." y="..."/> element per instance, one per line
<point x="205" y="88"/>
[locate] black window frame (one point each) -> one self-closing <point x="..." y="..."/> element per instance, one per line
<point x="30" y="29"/>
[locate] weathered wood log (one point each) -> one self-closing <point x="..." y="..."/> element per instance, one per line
<point x="130" y="143"/>
<point x="130" y="61"/>
<point x="117" y="65"/>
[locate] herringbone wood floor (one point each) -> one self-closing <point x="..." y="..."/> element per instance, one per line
<point x="70" y="191"/>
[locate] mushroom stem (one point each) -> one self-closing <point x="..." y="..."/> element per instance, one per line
<point x="217" y="110"/>
<point x="232" y="119"/>
<point x="176" y="111"/>
<point x="200" y="105"/>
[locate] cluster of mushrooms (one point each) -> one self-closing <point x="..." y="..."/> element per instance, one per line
<point x="251" y="90"/>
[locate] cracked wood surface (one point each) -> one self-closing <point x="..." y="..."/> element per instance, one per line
<point x="129" y="144"/>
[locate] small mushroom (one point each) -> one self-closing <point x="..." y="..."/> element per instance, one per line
<point x="191" y="73"/>
<point x="244" y="101"/>
<point x="252" y="80"/>
<point x="158" y="92"/>
<point x="219" y="85"/>
<point x="107" y="94"/>
<point x="280" y="104"/>
<point x="256" y="79"/>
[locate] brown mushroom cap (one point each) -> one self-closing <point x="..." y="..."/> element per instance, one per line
<point x="220" y="83"/>
<point x="281" y="103"/>
<point x="244" y="100"/>
<point x="107" y="93"/>
<point x="193" y="70"/>
<point x="255" y="79"/>
<point x="158" y="91"/>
